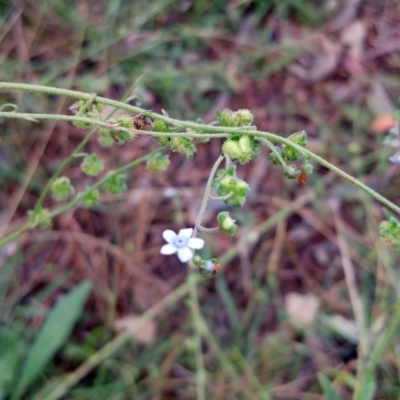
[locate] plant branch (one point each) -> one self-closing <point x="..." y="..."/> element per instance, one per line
<point x="212" y="130"/>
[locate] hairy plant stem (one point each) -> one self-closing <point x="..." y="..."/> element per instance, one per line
<point x="197" y="338"/>
<point x="220" y="132"/>
<point x="203" y="130"/>
<point x="206" y="195"/>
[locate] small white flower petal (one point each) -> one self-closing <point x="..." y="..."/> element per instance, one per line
<point x="185" y="254"/>
<point x="185" y="233"/>
<point x="209" y="266"/>
<point x="196" y="243"/>
<point x="168" y="249"/>
<point x="395" y="159"/>
<point x="169" y="235"/>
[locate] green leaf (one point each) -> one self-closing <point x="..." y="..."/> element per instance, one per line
<point x="367" y="387"/>
<point x="54" y="332"/>
<point x="329" y="391"/>
<point x="9" y="358"/>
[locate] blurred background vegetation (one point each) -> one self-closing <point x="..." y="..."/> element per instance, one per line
<point x="278" y="319"/>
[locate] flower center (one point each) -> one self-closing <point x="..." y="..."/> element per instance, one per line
<point x="180" y="242"/>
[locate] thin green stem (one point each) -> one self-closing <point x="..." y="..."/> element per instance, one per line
<point x="197" y="348"/>
<point x="277" y="154"/>
<point x="207" y="191"/>
<point x="207" y="230"/>
<point x="226" y="197"/>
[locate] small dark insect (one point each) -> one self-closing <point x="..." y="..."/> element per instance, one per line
<point x="302" y="178"/>
<point x="143" y="123"/>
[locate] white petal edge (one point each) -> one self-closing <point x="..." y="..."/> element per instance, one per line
<point x="168" y="249"/>
<point x="196" y="243"/>
<point x="185" y="254"/>
<point x="169" y="235"/>
<point x="186" y="233"/>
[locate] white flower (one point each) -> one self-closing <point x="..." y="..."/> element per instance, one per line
<point x="395" y="159"/>
<point x="181" y="243"/>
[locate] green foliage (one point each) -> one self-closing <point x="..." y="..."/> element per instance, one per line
<point x="238" y="188"/>
<point x="242" y="149"/>
<point x="390" y="233"/>
<point x="39" y="218"/>
<point x="52" y="335"/>
<point x="159" y="162"/>
<point x="290" y="153"/>
<point x="230" y="118"/>
<point x="206" y="268"/>
<point x="227" y="223"/>
<point x="88" y="109"/>
<point x="90" y="199"/>
<point x="10" y="352"/>
<point x="92" y="165"/>
<point x="122" y="136"/>
<point x="61" y="188"/>
<point x="230" y="323"/>
<point x="105" y="139"/>
<point x="116" y="183"/>
<point x="329" y="391"/>
<point x="160" y="126"/>
<point x="184" y="146"/>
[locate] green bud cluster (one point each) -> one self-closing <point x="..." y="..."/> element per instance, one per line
<point x="123" y="121"/>
<point x="390" y="233"/>
<point x="39" y="219"/>
<point x="61" y="188"/>
<point x="227" y="183"/>
<point x="227" y="223"/>
<point x="242" y="148"/>
<point x="273" y="157"/>
<point x="105" y="139"/>
<point x="290" y="153"/>
<point x="158" y="162"/>
<point x="116" y="184"/>
<point x="291" y="172"/>
<point x="307" y="169"/>
<point x="87" y="109"/>
<point x="235" y="118"/>
<point x="287" y="153"/>
<point x="206" y="268"/>
<point x="90" y="199"/>
<point x="178" y="144"/>
<point x="92" y="165"/>
<point x="183" y="145"/>
<point x="161" y="126"/>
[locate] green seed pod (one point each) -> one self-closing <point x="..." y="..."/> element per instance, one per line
<point x="226" y="223"/>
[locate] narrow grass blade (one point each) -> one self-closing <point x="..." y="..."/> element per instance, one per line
<point x="329" y="391"/>
<point x="55" y="330"/>
<point x="9" y="358"/>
